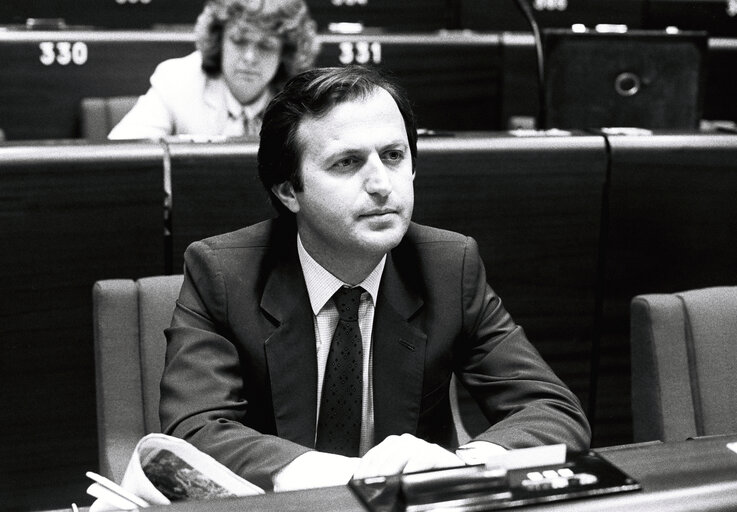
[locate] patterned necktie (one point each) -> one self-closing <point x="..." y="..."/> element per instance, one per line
<point x="339" y="426"/>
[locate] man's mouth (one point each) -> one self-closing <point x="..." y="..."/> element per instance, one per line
<point x="379" y="213"/>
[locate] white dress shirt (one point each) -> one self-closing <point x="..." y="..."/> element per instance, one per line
<point x="321" y="285"/>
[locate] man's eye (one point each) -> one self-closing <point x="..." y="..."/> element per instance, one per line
<point x="269" y="44"/>
<point x="394" y="155"/>
<point x="344" y="163"/>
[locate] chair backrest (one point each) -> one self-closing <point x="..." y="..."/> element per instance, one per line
<point x="100" y="115"/>
<point x="129" y="318"/>
<point x="684" y="354"/>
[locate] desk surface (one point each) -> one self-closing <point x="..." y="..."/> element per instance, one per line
<point x="688" y="475"/>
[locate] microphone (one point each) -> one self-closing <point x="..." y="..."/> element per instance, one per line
<point x="527" y="12"/>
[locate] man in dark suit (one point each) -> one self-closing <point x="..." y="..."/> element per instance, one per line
<point x="250" y="374"/>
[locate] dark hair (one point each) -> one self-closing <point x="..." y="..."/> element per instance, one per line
<point x="314" y="93"/>
<point x="288" y="19"/>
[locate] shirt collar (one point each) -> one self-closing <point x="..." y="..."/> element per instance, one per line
<point x="236" y="110"/>
<point x="321" y="284"/>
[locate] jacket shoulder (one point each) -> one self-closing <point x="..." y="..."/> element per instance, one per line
<point x="258" y="235"/>
<point x="175" y="72"/>
<point x="420" y="234"/>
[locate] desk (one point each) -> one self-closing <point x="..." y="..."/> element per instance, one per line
<point x="407" y="15"/>
<point x="715" y="16"/>
<point x="453" y="79"/>
<point x="46" y="74"/>
<point x="70" y="214"/>
<point x="476" y="14"/>
<point x="699" y="475"/>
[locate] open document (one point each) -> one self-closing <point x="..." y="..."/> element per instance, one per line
<point x="163" y="469"/>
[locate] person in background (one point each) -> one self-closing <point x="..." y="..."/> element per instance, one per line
<point x="320" y="345"/>
<point x="246" y="50"/>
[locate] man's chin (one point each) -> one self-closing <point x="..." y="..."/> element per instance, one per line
<point x="384" y="240"/>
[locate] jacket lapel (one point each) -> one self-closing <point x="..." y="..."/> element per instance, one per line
<point x="398" y="350"/>
<point x="290" y="351"/>
<point x="398" y="356"/>
<point x="215" y="105"/>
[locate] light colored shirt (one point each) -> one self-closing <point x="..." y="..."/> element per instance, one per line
<point x="321" y="285"/>
<point x="245" y="119"/>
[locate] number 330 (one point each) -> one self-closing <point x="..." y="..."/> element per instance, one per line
<point x="63" y="53"/>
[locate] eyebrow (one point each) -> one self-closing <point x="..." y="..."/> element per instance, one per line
<point x="358" y="149"/>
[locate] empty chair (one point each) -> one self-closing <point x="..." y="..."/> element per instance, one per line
<point x="129" y="318"/>
<point x="684" y="354"/>
<point x="100" y="115"/>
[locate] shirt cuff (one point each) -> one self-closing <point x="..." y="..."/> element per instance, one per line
<point x="315" y="469"/>
<point x="478" y="452"/>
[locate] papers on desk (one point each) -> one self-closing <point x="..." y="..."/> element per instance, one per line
<point x="163" y="469"/>
<point x="732" y="446"/>
<point x="529" y="457"/>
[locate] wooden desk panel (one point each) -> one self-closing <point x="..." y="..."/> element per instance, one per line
<point x="69" y="215"/>
<point x="672" y="225"/>
<point x="721" y="81"/>
<point x="404" y="16"/>
<point x="693" y="476"/>
<point x="452" y="79"/>
<point x="113" y="14"/>
<point x="715" y="16"/>
<point x="46" y="74"/>
<point x="408" y="15"/>
<point x="506" y="16"/>
<point x="215" y="189"/>
<point x="519" y="80"/>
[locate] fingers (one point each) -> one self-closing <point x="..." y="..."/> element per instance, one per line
<point x="432" y="458"/>
<point x="404" y="454"/>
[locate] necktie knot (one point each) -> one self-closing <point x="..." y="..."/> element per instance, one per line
<point x="346" y="301"/>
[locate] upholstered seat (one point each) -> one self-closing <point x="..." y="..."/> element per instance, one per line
<point x="684" y="362"/>
<point x="129" y="321"/>
<point x="100" y="115"/>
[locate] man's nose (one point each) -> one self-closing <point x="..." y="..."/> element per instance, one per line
<point x="378" y="180"/>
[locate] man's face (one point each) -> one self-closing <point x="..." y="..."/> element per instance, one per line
<point x="250" y="60"/>
<point x="356" y="169"/>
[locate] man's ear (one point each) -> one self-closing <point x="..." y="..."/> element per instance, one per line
<point x="284" y="191"/>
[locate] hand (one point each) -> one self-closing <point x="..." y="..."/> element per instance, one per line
<point x="404" y="454"/>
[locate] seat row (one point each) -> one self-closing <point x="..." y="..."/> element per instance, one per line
<point x="570" y="227"/>
<point x="457" y="80"/>
<point x="715" y="16"/>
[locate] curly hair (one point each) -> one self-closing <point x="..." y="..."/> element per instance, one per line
<point x="287" y="19"/>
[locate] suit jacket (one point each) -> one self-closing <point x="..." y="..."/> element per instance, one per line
<point x="240" y="381"/>
<point x="182" y="100"/>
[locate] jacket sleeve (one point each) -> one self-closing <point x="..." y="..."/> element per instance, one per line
<point x="524" y="401"/>
<point x="202" y="385"/>
<point x="150" y="117"/>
